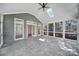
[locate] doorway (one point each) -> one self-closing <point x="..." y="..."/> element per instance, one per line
<point x="29" y="31"/>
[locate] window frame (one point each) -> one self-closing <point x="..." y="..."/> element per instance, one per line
<point x="15" y="22"/>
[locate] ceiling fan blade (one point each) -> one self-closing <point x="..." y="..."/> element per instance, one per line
<point x="47" y="7"/>
<point x="45" y="4"/>
<point x="40" y="4"/>
<point x="39" y="8"/>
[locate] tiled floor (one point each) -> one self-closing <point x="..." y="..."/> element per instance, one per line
<point x="33" y="47"/>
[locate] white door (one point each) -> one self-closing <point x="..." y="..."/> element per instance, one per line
<point x="1" y="30"/>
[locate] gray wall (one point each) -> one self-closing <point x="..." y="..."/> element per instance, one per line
<point x="8" y="26"/>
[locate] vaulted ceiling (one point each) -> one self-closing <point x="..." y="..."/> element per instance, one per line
<point x="62" y="11"/>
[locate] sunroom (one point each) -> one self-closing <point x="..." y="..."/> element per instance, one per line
<point x="40" y="26"/>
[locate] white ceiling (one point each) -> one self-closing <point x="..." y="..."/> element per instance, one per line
<point x="62" y="11"/>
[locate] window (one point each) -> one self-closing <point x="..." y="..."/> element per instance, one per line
<point x="45" y="30"/>
<point x="50" y="29"/>
<point x="33" y="29"/>
<point x="19" y="28"/>
<point x="71" y="29"/>
<point x="59" y="29"/>
<point x="39" y="29"/>
<point x="50" y="13"/>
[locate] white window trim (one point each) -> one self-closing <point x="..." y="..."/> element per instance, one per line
<point x="40" y="30"/>
<point x="1" y="30"/>
<point x="15" y="29"/>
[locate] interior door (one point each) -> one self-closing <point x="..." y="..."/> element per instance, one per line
<point x="1" y="31"/>
<point x="29" y="30"/>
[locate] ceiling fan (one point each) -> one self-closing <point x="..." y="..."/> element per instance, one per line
<point x="43" y="6"/>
